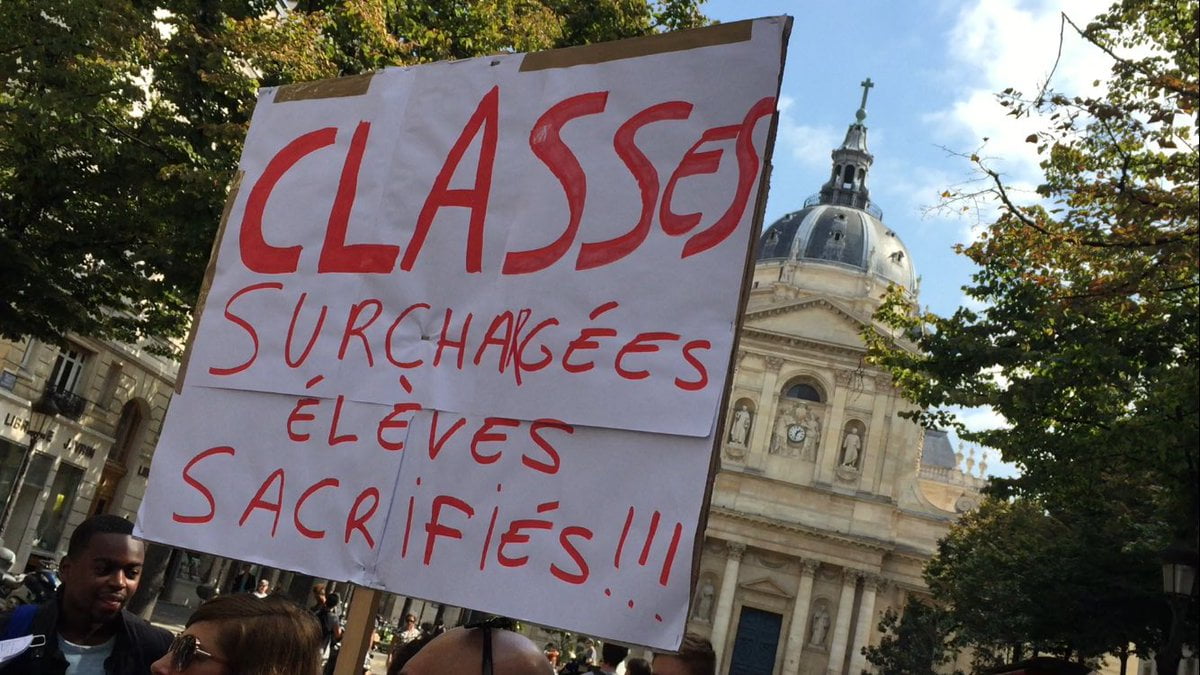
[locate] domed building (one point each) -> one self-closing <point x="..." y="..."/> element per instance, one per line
<point x="827" y="503"/>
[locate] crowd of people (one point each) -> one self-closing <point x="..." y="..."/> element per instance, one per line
<point x="85" y="629"/>
<point x="695" y="657"/>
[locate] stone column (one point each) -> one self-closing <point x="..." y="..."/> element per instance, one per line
<point x="841" y="626"/>
<point x="831" y="435"/>
<point x="873" y="444"/>
<point x="764" y="417"/>
<point x="866" y="619"/>
<point x="799" y="626"/>
<point x="724" y="612"/>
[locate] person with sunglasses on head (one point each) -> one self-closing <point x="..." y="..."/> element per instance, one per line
<point x="86" y="627"/>
<point x="245" y="635"/>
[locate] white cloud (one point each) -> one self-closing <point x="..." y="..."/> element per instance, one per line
<point x="978" y="419"/>
<point x="996" y="44"/>
<point x="808" y="145"/>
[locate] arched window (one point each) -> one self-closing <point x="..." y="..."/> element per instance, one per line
<point x="803" y="391"/>
<point x="848" y="177"/>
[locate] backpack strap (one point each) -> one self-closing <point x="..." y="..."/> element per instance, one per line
<point x="21" y="622"/>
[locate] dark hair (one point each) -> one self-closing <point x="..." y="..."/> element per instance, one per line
<point x="697" y="655"/>
<point x="637" y="667"/>
<point x="332" y="600"/>
<point x="612" y="653"/>
<point x="403" y="653"/>
<point x="267" y="636"/>
<point x="102" y="524"/>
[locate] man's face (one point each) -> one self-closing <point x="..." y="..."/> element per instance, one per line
<point x="100" y="580"/>
<point x="263" y="586"/>
<point x="665" y="664"/>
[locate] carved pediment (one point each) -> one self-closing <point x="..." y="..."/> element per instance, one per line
<point x="813" y="318"/>
<point x="766" y="587"/>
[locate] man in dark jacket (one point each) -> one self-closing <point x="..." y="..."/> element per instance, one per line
<point x="86" y="626"/>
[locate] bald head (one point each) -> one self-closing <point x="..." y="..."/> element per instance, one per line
<point x="459" y="651"/>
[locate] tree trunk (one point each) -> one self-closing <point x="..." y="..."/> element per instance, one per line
<point x="154" y="572"/>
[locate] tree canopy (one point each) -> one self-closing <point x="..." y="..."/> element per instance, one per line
<point x="1087" y="345"/>
<point x="917" y="641"/>
<point x="121" y="125"/>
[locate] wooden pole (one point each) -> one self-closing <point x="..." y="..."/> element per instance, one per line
<point x="360" y="623"/>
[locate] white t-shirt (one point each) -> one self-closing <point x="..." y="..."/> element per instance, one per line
<point x="85" y="660"/>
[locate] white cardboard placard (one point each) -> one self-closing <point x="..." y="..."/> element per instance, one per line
<point x="553" y="255"/>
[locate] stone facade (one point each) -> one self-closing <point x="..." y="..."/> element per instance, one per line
<point x="823" y="512"/>
<point x="93" y="456"/>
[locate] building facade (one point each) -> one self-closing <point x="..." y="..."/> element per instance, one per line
<point x="827" y="503"/>
<point x="80" y="422"/>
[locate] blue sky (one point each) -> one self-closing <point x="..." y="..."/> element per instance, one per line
<point x="936" y="65"/>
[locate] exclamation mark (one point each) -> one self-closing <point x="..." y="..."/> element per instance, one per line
<point x="649" y="539"/>
<point x="670" y="559"/>
<point x="621" y="543"/>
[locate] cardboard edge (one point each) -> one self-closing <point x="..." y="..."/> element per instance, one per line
<point x="760" y="210"/>
<point x="206" y="285"/>
<point x="338" y="87"/>
<point x="675" y="41"/>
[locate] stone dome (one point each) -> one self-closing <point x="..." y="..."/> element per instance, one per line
<point x="841" y="236"/>
<point x="840" y="226"/>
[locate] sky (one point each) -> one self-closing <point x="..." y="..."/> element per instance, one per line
<point x="936" y="66"/>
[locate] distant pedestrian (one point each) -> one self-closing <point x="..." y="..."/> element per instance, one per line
<point x="247" y="636"/>
<point x="87" y="628"/>
<point x="331" y="631"/>
<point x="638" y="667"/>
<point x="611" y="656"/>
<point x="410" y="631"/>
<point x="243" y="581"/>
<point x="264" y="588"/>
<point x="318" y="595"/>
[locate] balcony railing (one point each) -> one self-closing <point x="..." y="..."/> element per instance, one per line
<point x="69" y="404"/>
<point x="844" y="200"/>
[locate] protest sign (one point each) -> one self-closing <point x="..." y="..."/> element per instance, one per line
<point x="468" y="328"/>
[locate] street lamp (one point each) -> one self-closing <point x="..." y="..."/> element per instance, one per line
<point x="40" y="413"/>
<point x="1179" y="580"/>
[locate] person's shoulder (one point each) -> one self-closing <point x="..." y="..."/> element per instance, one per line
<point x="143" y="630"/>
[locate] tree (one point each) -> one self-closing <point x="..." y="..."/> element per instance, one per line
<point x="917" y="641"/>
<point x="1088" y="343"/>
<point x="1017" y="579"/>
<point x="121" y="125"/>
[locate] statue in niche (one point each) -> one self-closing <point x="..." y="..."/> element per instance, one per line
<point x="851" y="447"/>
<point x="739" y="428"/>
<point x="812" y="424"/>
<point x="783" y="429"/>
<point x="820" y="627"/>
<point x="704" y="602"/>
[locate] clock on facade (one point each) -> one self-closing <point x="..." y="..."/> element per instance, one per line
<point x="796" y="433"/>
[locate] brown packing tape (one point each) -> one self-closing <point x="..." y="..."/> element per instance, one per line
<point x="747" y="276"/>
<point x="677" y="41"/>
<point x="209" y="272"/>
<point x="353" y="85"/>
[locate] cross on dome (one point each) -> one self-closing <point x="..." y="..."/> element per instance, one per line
<point x="862" y="107"/>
